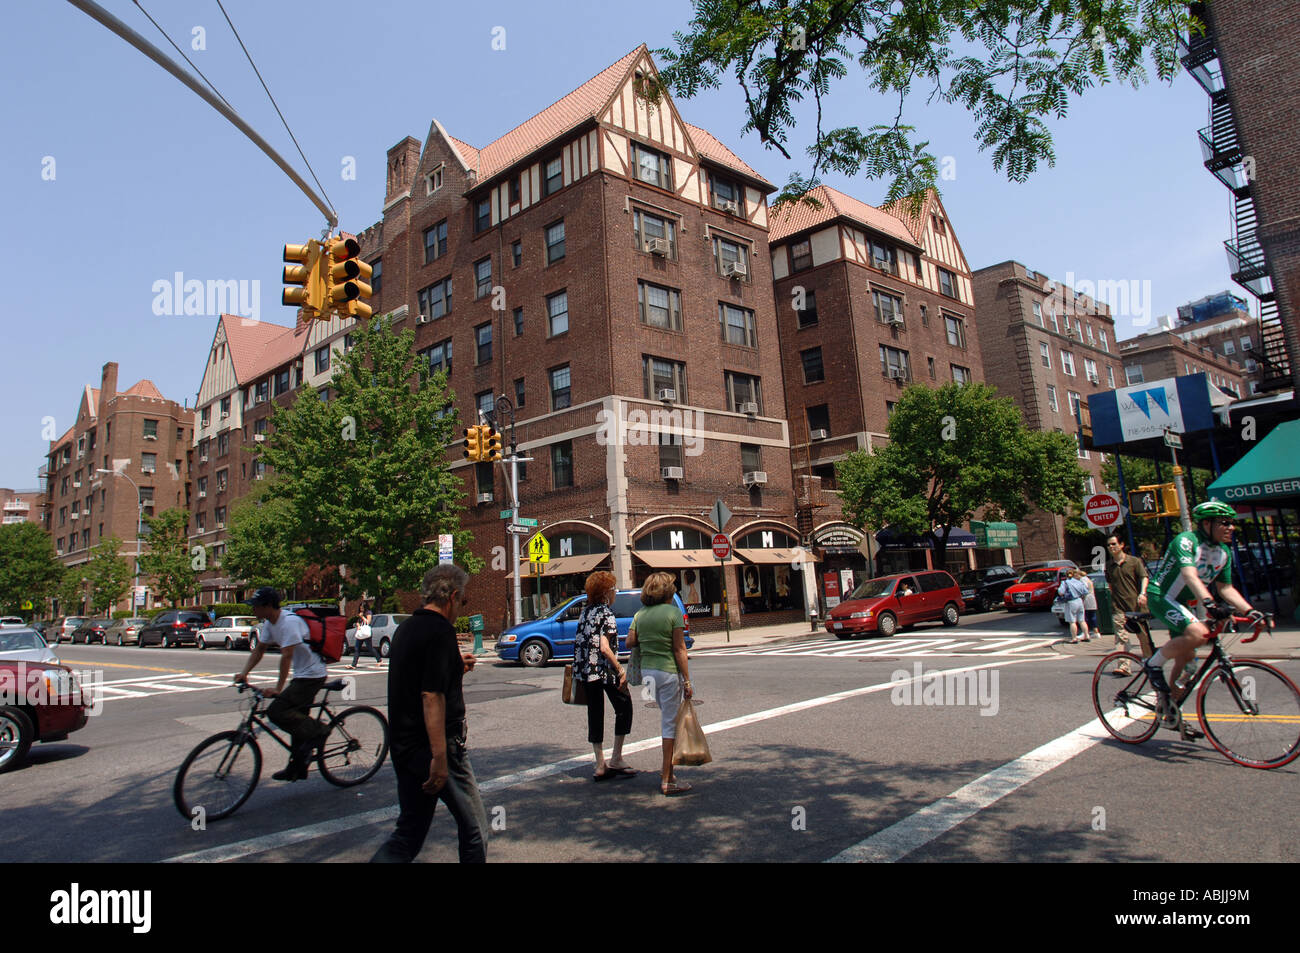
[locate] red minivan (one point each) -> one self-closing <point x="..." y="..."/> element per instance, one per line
<point x="886" y="603"/>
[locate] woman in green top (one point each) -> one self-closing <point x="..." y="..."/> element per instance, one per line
<point x="658" y="630"/>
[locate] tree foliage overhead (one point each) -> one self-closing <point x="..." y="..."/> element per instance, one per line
<point x="955" y="452"/>
<point x="363" y="477"/>
<point x="169" y="561"/>
<point x="108" y="574"/>
<point x="28" y="568"/>
<point x="1012" y="64"/>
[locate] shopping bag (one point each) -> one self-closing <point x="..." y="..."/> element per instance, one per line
<point x="634" y="666"/>
<point x="691" y="747"/>
<point x="571" y="692"/>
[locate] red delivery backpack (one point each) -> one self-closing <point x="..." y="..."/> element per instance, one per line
<point x="326" y="636"/>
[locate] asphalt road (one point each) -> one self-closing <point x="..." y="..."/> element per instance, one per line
<point x="819" y="752"/>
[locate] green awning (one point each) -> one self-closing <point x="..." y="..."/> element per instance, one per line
<point x="1270" y="471"/>
<point x="995" y="535"/>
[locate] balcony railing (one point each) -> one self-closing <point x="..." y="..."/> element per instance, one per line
<point x="17" y="505"/>
<point x="1247" y="264"/>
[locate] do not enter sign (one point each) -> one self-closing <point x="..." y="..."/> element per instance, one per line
<point x="721" y="546"/>
<point x="1102" y="510"/>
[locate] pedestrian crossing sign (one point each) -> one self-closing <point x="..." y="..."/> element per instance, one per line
<point x="539" y="549"/>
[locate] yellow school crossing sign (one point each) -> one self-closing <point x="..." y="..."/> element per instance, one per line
<point x="539" y="549"/>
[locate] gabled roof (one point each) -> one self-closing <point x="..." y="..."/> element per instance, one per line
<point x="467" y="152"/>
<point x="144" y="388"/>
<point x="794" y="217"/>
<point x="250" y="341"/>
<point x="710" y="148"/>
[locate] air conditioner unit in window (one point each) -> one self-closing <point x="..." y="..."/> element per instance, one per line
<point x="819" y="434"/>
<point x="486" y="497"/>
<point x="259" y="437"/>
<point x="257" y="476"/>
<point x="671" y="473"/>
<point x="657" y="246"/>
<point x="225" y="415"/>
<point x="897" y="320"/>
<point x="421" y="319"/>
<point x="898" y="374"/>
<point x="203" y="458"/>
<point x="667" y="395"/>
<point x="203" y="494"/>
<point x="1094" y="378"/>
<point x="734" y="269"/>
<point x="730" y="205"/>
<point x="76" y="484"/>
<point x="150" y="436"/>
<point x="756" y="478"/>
<point x="76" y="516"/>
<point x="750" y="409"/>
<point x="146" y="469"/>
<point x="221" y="526"/>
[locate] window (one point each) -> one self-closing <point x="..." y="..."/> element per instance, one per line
<point x="1250" y="368"/>
<point x="732" y="259"/>
<point x="670" y="449"/>
<point x="947" y="283"/>
<point x="1246" y="344"/>
<point x="1067" y="363"/>
<point x="223" y="443"/>
<point x="808" y="315"/>
<point x="814" y="371"/>
<point x="519" y="321"/>
<point x="930" y="366"/>
<point x="1090" y="483"/>
<point x="651" y="167"/>
<point x="557" y="313"/>
<point x="225" y="407"/>
<point x="1105" y="345"/>
<point x="961" y="375"/>
<point x="435" y="300"/>
<point x="647" y="228"/>
<point x="884" y="257"/>
<point x="1090" y="369"/>
<point x="263" y="388"/>
<point x="205" y="419"/>
<point x="1045" y="353"/>
<point x="660" y="374"/>
<point x="1229" y="347"/>
<point x="483" y="338"/>
<point x="722" y="191"/>
<point x="937" y="222"/>
<point x="201" y="522"/>
<point x="801" y="255"/>
<point x="516" y="253"/>
<point x="485" y="402"/>
<point x="433" y="181"/>
<point x="220" y="514"/>
<point x="514" y="191"/>
<point x="1110" y="376"/>
<point x="1056" y="325"/>
<point x="737" y="325"/>
<point x="554" y="242"/>
<point x="1091" y="339"/>
<point x="438" y="356"/>
<point x="435" y="241"/>
<point x="376" y="276"/>
<point x="889" y="309"/>
<point x="149" y="461"/>
<point x="520" y="393"/>
<point x="322" y="360"/>
<point x="482" y="215"/>
<point x="659" y="307"/>
<point x="482" y="278"/>
<point x="1038" y="314"/>
<point x="560" y="382"/>
<point x="819" y="418"/>
<point x="751" y="457"/>
<point x="1133" y="375"/>
<point x="743" y="389"/>
<point x="894" y="363"/>
<point x="483" y="477"/>
<point x="956" y="329"/>
<point x="203" y="449"/>
<point x="562" y="464"/>
<point x="925" y="317"/>
<point x="281" y="382"/>
<point x="259" y="426"/>
<point x="1052" y="405"/>
<point x="1075" y="400"/>
<point x="150" y="430"/>
<point x="554" y="176"/>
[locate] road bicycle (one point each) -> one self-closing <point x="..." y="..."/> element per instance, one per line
<point x="1248" y="709"/>
<point x="220" y="773"/>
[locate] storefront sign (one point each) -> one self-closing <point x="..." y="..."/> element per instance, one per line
<point x="831" y="587"/>
<point x="995" y="535"/>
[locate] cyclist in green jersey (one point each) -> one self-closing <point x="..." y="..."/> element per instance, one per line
<point x="1194" y="561"/>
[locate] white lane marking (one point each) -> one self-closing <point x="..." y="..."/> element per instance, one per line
<point x="267" y="842"/>
<point x="916" y="830"/>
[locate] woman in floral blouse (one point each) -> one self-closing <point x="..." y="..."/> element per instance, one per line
<point x="595" y="662"/>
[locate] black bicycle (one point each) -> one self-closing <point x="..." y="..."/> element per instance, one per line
<point x="1248" y="709"/>
<point x="220" y="773"/>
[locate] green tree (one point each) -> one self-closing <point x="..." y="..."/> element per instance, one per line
<point x="71" y="590"/>
<point x="954" y="452"/>
<point x="169" y="561"/>
<point x="260" y="549"/>
<point x="364" y="476"/>
<point x="1012" y="64"/>
<point x="29" y="569"/>
<point x="108" y="574"/>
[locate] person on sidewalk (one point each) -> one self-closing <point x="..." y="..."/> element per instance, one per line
<point x="1074" y="591"/>
<point x="1127" y="578"/>
<point x="595" y="662"/>
<point x="659" y="630"/>
<point x="361" y="638"/>
<point x="1090" y="608"/>
<point x="291" y="708"/>
<point x="427" y="727"/>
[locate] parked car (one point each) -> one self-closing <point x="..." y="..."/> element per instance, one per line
<point x="25" y="645"/>
<point x="47" y="706"/>
<point x="92" y="630"/>
<point x="174" y="627"/>
<point x="382" y="629"/>
<point x="982" y="588"/>
<point x="1036" y="589"/>
<point x="63" y="628"/>
<point x="551" y="637"/>
<point x="887" y="603"/>
<point x="9" y="620"/>
<point x="232" y="631"/>
<point x="125" y="631"/>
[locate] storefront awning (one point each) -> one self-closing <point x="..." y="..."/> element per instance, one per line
<point x="957" y="539"/>
<point x="681" y="558"/>
<point x="565" y="565"/>
<point x="774" y="556"/>
<point x="1270" y="471"/>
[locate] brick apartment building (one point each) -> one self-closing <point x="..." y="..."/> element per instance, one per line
<point x="23" y="506"/>
<point x="1223" y="323"/>
<point x="1158" y="355"/>
<point x="605" y="266"/>
<point x="1047" y="348"/>
<point x="136" y="432"/>
<point x="868" y="301"/>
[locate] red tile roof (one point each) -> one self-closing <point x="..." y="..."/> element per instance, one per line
<point x="797" y="216"/>
<point x="467" y="152"/>
<point x="709" y="147"/>
<point x="251" y="343"/>
<point x="144" y="388"/>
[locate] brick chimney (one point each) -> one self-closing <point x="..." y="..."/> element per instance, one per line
<point x="107" y="384"/>
<point x="403" y="159"/>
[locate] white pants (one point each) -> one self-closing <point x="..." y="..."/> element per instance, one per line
<point x="667" y="688"/>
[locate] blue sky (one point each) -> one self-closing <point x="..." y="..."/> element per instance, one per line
<point x="148" y="180"/>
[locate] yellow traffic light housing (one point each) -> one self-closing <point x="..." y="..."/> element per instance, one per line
<point x="348" y="285"/>
<point x="474" y="443"/>
<point x="1154" y="502"/>
<point x="492" y="449"/>
<point x="306" y="273"/>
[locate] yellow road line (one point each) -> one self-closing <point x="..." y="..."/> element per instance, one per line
<point x="142" y="668"/>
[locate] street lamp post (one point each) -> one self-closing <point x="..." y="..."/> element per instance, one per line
<point x="139" y="525"/>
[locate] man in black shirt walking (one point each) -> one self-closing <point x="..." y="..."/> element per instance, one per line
<point x="426" y="715"/>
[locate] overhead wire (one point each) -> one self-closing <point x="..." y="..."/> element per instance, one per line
<point x="214" y="89"/>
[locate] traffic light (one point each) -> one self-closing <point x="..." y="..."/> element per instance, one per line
<point x="307" y="275"/>
<point x="348" y="279"/>
<point x="474" y="443"/>
<point x="491" y="444"/>
<point x="1154" y="501"/>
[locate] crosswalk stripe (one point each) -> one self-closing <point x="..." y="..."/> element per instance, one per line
<point x="923" y="647"/>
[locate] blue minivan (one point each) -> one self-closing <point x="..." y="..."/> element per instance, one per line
<point x="539" y="641"/>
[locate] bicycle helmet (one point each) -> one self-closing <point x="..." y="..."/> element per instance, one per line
<point x="1213" y="509"/>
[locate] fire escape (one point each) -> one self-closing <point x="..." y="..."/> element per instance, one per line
<point x="1224" y="156"/>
